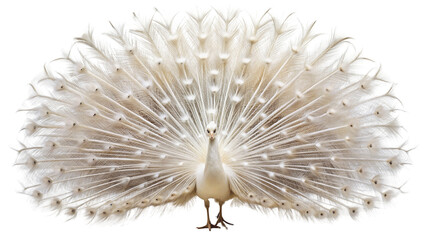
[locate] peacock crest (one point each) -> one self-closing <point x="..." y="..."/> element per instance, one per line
<point x="220" y="105"/>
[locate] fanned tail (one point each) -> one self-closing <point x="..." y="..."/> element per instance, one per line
<point x="305" y="123"/>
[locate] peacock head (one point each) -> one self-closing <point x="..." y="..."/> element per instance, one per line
<point x="211" y="130"/>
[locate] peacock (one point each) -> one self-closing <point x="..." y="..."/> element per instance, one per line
<point x="223" y="105"/>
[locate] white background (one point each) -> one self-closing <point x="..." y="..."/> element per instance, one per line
<point x="393" y="33"/>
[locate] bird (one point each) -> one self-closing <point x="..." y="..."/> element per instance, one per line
<point x="261" y="110"/>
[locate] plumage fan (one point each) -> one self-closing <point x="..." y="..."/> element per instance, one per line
<point x="217" y="105"/>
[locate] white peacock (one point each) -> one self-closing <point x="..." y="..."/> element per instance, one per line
<point x="219" y="105"/>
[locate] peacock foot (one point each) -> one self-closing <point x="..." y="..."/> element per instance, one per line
<point x="209" y="226"/>
<point x="222" y="221"/>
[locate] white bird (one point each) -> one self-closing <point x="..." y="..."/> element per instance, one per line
<point x="219" y="105"/>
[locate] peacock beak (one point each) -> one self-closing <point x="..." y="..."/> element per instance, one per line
<point x="211" y="136"/>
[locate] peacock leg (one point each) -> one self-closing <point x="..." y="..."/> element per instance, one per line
<point x="208" y="225"/>
<point x="220" y="217"/>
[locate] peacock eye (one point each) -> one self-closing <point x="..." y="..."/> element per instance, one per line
<point x="208" y="131"/>
<point x="214" y="131"/>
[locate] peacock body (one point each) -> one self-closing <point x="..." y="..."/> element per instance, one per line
<point x="217" y="105"/>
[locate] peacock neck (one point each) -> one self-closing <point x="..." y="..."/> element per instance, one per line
<point x="213" y="159"/>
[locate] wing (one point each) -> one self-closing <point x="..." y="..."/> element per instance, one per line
<point x="311" y="134"/>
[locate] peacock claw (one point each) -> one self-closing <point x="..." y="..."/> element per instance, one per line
<point x="209" y="226"/>
<point x="222" y="221"/>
